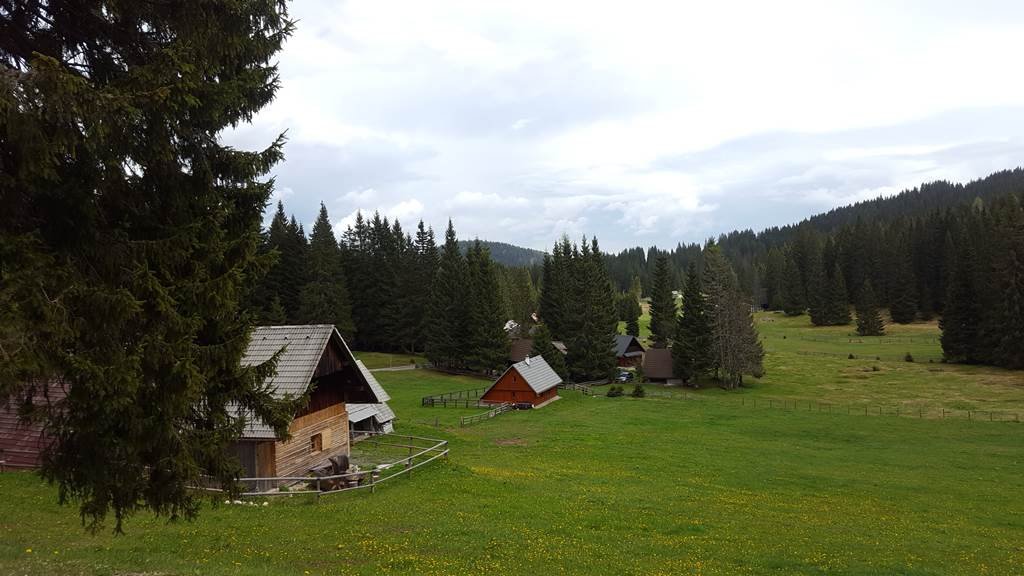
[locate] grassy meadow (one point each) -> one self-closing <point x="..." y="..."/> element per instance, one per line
<point x="597" y="485"/>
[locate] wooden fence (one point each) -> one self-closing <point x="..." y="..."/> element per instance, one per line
<point x="797" y="405"/>
<point x="458" y="399"/>
<point x="419" y="455"/>
<point x="15" y="458"/>
<point x="584" y="388"/>
<point x="496" y="411"/>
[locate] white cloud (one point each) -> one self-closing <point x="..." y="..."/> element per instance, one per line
<point x="648" y="122"/>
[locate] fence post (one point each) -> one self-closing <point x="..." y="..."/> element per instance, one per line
<point x="969" y="415"/>
<point x="943" y="413"/>
<point x="373" y="480"/>
<point x="317" y="489"/>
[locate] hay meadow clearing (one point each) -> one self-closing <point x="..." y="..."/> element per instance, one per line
<point x="787" y="476"/>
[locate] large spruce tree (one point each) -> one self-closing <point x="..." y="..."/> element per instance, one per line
<point x="448" y="327"/>
<point x="487" y="344"/>
<point x="869" y="320"/>
<point x="836" y="302"/>
<point x="962" y="316"/>
<point x="129" y="235"/>
<point x="324" y="299"/>
<point x="691" y="348"/>
<point x="794" y="302"/>
<point x="663" y="305"/>
<point x="903" y="304"/>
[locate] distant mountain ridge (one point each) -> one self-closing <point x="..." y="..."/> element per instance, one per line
<point x="508" y="254"/>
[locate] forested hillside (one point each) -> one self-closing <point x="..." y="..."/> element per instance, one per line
<point x="508" y="254"/>
<point x="749" y="251"/>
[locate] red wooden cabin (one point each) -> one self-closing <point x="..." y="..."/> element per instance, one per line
<point x="531" y="380"/>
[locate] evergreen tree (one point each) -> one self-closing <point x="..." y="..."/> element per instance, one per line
<point x="793" y="301"/>
<point x="592" y="323"/>
<point x="691" y="348"/>
<point x="542" y="346"/>
<point x="556" y="296"/>
<point x="736" y="349"/>
<point x="632" y="310"/>
<point x="449" y="321"/>
<point x="961" y="318"/>
<point x="129" y="234"/>
<point x="836" y="302"/>
<point x="869" y="320"/>
<point x="775" y="279"/>
<point x="1008" y="268"/>
<point x="487" y="342"/>
<point x="903" y="306"/>
<point x="421" y="278"/>
<point x="817" y="289"/>
<point x="324" y="300"/>
<point x="663" y="305"/>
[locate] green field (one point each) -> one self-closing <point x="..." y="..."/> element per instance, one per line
<point x="598" y="485"/>
<point x="374" y="360"/>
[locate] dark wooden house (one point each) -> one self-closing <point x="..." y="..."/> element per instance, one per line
<point x="658" y="364"/>
<point x="628" y="350"/>
<point x="22" y="445"/>
<point x="531" y="381"/>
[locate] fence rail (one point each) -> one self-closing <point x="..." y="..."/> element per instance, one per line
<point x="798" y="405"/>
<point x="584" y="388"/>
<point x="16" y="458"/>
<point x="458" y="398"/>
<point x="496" y="411"/>
<point x="349" y="481"/>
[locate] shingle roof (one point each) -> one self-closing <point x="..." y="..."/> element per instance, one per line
<point x="539" y="376"/>
<point x="303" y="348"/>
<point x="622" y="343"/>
<point x="378" y="390"/>
<point x="359" y="412"/>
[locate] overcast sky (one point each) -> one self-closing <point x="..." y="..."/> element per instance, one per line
<point x="642" y="123"/>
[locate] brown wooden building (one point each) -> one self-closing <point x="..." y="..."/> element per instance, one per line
<point x="311" y="355"/>
<point x="628" y="350"/>
<point x="22" y="445"/>
<point x="658" y="365"/>
<point x="530" y="381"/>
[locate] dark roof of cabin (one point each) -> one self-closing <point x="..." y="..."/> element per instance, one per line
<point x="623" y="343"/>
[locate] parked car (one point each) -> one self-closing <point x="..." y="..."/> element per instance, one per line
<point x="624" y="376"/>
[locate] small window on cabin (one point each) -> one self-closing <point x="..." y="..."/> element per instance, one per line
<point x="316" y="443"/>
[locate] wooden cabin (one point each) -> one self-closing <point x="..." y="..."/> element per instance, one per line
<point x="22" y="444"/>
<point x="628" y="351"/>
<point x="531" y="381"/>
<point x="314" y="355"/>
<point x="317" y="356"/>
<point x="658" y="365"/>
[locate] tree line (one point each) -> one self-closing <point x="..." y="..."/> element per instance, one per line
<point x="942" y="249"/>
<point x="387" y="289"/>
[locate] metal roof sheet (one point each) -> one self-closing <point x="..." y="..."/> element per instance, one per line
<point x="539" y="376"/>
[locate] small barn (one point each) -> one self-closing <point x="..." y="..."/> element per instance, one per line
<point x="22" y="445"/>
<point x="657" y="364"/>
<point x="628" y="350"/>
<point x="312" y="356"/>
<point x="370" y="418"/>
<point x="521" y="348"/>
<point x="530" y="381"/>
